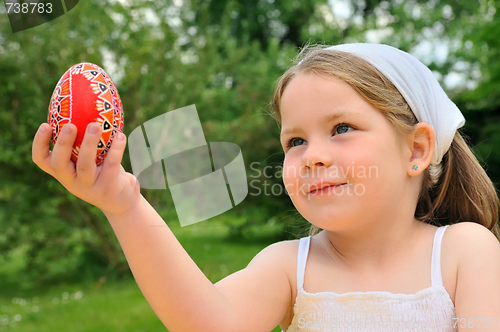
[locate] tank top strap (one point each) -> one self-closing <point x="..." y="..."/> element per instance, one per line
<point x="436" y="277"/>
<point x="301" y="260"/>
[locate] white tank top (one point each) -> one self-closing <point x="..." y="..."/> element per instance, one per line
<point x="430" y="309"/>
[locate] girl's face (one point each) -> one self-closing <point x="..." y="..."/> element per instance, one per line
<point x="335" y="140"/>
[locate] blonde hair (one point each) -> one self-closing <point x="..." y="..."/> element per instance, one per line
<point x="462" y="191"/>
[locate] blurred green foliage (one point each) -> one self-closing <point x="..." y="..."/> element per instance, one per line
<point x="119" y="305"/>
<point x="223" y="56"/>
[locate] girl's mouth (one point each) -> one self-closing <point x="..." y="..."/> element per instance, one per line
<point x="325" y="190"/>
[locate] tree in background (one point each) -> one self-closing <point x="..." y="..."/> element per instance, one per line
<point x="223" y="56"/>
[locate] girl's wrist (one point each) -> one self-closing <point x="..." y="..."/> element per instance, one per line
<point x="132" y="208"/>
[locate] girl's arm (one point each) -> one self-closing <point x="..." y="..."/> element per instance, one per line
<point x="477" y="297"/>
<point x="253" y="299"/>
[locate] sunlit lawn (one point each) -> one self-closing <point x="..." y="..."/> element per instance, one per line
<point x="120" y="306"/>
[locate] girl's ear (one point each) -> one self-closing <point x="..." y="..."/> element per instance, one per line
<point x="422" y="144"/>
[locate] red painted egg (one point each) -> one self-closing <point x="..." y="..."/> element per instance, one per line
<point x="84" y="94"/>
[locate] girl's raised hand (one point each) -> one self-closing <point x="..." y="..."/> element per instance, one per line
<point x="107" y="186"/>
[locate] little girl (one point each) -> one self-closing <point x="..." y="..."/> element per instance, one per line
<point x="404" y="218"/>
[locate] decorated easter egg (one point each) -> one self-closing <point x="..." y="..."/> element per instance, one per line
<point x="85" y="94"/>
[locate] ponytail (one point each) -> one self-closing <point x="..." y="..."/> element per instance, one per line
<point x="464" y="191"/>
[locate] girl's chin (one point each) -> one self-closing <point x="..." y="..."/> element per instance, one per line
<point x="333" y="227"/>
<point x="330" y="221"/>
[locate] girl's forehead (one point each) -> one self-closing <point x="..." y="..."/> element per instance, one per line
<point x="310" y="87"/>
<point x="318" y="96"/>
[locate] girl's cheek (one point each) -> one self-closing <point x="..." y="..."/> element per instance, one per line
<point x="290" y="178"/>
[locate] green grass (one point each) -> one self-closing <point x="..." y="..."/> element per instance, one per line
<point x="120" y="306"/>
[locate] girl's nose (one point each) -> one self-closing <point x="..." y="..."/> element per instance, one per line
<point x="317" y="156"/>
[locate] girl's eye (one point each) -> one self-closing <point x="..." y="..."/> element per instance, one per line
<point x="296" y="141"/>
<point x="342" y="128"/>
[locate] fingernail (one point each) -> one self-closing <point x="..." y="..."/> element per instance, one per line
<point x="42" y="129"/>
<point x="93" y="128"/>
<point x="120" y="137"/>
<point x="66" y="130"/>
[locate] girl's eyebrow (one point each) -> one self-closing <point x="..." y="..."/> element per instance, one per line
<point x="326" y="119"/>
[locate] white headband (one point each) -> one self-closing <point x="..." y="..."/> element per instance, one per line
<point x="420" y="89"/>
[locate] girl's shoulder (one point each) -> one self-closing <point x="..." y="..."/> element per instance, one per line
<point x="285" y="253"/>
<point x="476" y="251"/>
<point x="470" y="241"/>
<point x="286" y="249"/>
<point x="465" y="237"/>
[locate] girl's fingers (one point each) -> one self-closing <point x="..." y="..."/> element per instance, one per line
<point x="40" y="151"/>
<point x="86" y="166"/>
<point x="112" y="164"/>
<point x="62" y="166"/>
